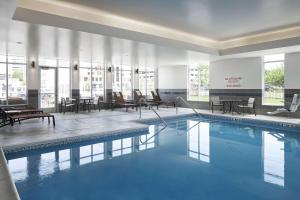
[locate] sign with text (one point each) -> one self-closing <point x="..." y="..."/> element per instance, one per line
<point x="233" y="82"/>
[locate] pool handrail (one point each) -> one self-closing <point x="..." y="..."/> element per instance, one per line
<point x="141" y="102"/>
<point x="186" y="103"/>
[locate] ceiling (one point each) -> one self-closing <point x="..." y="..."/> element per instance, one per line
<point x="215" y="19"/>
<point x="38" y="40"/>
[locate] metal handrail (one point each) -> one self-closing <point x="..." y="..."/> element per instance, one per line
<point x="189" y="105"/>
<point x="142" y="101"/>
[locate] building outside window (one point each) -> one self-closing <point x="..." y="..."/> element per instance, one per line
<point x="13" y="75"/>
<point x="85" y="79"/>
<point x="91" y="80"/>
<point x="273" y="91"/>
<point x="146" y="81"/>
<point x="198" y="83"/>
<point x="122" y="80"/>
<point x="98" y="75"/>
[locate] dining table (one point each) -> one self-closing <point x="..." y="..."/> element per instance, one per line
<point x="231" y="105"/>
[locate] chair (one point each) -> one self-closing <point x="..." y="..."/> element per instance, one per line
<point x="119" y="101"/>
<point x="158" y="100"/>
<point x="138" y="96"/>
<point x="10" y="116"/>
<point x="215" y="102"/>
<point x="100" y="102"/>
<point x="293" y="107"/>
<point x="250" y="106"/>
<point x="66" y="103"/>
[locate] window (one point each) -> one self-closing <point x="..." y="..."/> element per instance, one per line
<point x="147" y="81"/>
<point x="122" y="80"/>
<point x="13" y="87"/>
<point x="198" y="80"/>
<point x="85" y="85"/>
<point x="98" y="81"/>
<point x="273" y="92"/>
<point x="63" y="79"/>
<point x="91" y="80"/>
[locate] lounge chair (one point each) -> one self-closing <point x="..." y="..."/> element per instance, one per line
<point x="215" y="102"/>
<point x="138" y="97"/>
<point x="250" y="106"/>
<point x="157" y="99"/>
<point x="10" y="116"/>
<point x="293" y="107"/>
<point x="22" y="117"/>
<point x="119" y="101"/>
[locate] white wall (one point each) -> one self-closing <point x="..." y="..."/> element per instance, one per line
<point x="292" y="71"/>
<point x="249" y="69"/>
<point x="172" y="77"/>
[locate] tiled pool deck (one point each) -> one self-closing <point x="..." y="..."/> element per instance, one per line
<point x="88" y="124"/>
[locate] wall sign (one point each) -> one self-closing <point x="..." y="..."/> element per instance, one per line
<point x="233" y="82"/>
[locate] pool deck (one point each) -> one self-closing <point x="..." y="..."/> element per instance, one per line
<point x="98" y="123"/>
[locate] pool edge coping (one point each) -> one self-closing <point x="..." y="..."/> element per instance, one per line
<point x="12" y="192"/>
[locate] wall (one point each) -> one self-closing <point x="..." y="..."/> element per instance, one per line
<point x="251" y="72"/>
<point x="172" y="82"/>
<point x="292" y="80"/>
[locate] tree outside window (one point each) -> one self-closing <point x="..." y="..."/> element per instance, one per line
<point x="273" y="93"/>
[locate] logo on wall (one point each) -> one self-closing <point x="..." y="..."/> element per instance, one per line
<point x="233" y="82"/>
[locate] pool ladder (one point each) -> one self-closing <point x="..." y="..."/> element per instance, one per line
<point x="142" y="101"/>
<point x="186" y="103"/>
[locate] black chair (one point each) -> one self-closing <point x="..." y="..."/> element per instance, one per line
<point x="215" y="102"/>
<point x="65" y="104"/>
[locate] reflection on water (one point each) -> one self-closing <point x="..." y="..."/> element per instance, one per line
<point x="198" y="141"/>
<point x="91" y="153"/>
<point x="47" y="164"/>
<point x="273" y="155"/>
<point x="18" y="167"/>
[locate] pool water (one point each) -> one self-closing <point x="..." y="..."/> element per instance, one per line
<point x="191" y="159"/>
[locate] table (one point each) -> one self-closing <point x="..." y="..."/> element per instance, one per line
<point x="230" y="105"/>
<point x="85" y="101"/>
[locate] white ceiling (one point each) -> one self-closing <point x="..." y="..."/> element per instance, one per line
<point x="216" y="19"/>
<point x="23" y="38"/>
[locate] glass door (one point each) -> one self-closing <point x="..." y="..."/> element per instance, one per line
<point x="48" y="89"/>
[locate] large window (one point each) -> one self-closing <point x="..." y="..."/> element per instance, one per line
<point x="122" y="80"/>
<point x="198" y="80"/>
<point x="147" y="81"/>
<point x="64" y="79"/>
<point x="85" y="81"/>
<point x="91" y="80"/>
<point x="273" y="93"/>
<point x="13" y="88"/>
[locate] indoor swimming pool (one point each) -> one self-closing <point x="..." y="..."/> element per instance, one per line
<point x="192" y="158"/>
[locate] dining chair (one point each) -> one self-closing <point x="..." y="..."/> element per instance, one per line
<point x="250" y="106"/>
<point x="215" y="102"/>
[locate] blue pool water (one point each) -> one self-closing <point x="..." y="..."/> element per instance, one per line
<point x="191" y="159"/>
